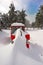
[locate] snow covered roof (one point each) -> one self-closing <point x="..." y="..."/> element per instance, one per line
<point x="17" y="24"/>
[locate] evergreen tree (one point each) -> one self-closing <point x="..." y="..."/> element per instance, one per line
<point x="4" y="20"/>
<point x="22" y="15"/>
<point x="39" y="18"/>
<point x="12" y="14"/>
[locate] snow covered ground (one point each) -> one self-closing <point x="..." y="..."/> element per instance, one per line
<point x="17" y="53"/>
<point x="5" y="37"/>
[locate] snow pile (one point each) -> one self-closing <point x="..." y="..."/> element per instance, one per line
<point x="18" y="54"/>
<point x="22" y="55"/>
<point x="5" y="52"/>
<point x="36" y="37"/>
<point x="17" y="24"/>
<point x="4" y="37"/>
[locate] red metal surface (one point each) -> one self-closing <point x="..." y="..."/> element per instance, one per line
<point x="27" y="36"/>
<point x="18" y="26"/>
<point x="12" y="37"/>
<point x="27" y="45"/>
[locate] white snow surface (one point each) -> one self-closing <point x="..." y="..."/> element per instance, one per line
<point x="5" y="37"/>
<point x="17" y="24"/>
<point x="17" y="53"/>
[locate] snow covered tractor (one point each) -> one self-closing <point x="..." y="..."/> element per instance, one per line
<point x="14" y="27"/>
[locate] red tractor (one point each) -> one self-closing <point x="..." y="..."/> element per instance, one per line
<point x="14" y="27"/>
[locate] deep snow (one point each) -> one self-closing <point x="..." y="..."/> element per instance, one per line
<point x="5" y="37"/>
<point x="17" y="53"/>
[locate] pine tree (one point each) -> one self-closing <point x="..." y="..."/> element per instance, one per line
<point x="12" y="14"/>
<point x="39" y="18"/>
<point x="22" y="15"/>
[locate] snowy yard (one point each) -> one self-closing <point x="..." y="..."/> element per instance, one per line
<point x="17" y="53"/>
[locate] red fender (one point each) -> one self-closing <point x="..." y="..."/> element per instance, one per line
<point x="27" y="45"/>
<point x="12" y="37"/>
<point x="27" y="36"/>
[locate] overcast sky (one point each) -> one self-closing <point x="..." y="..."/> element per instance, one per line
<point x="31" y="7"/>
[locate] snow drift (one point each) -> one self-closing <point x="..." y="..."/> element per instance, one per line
<point x="18" y="54"/>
